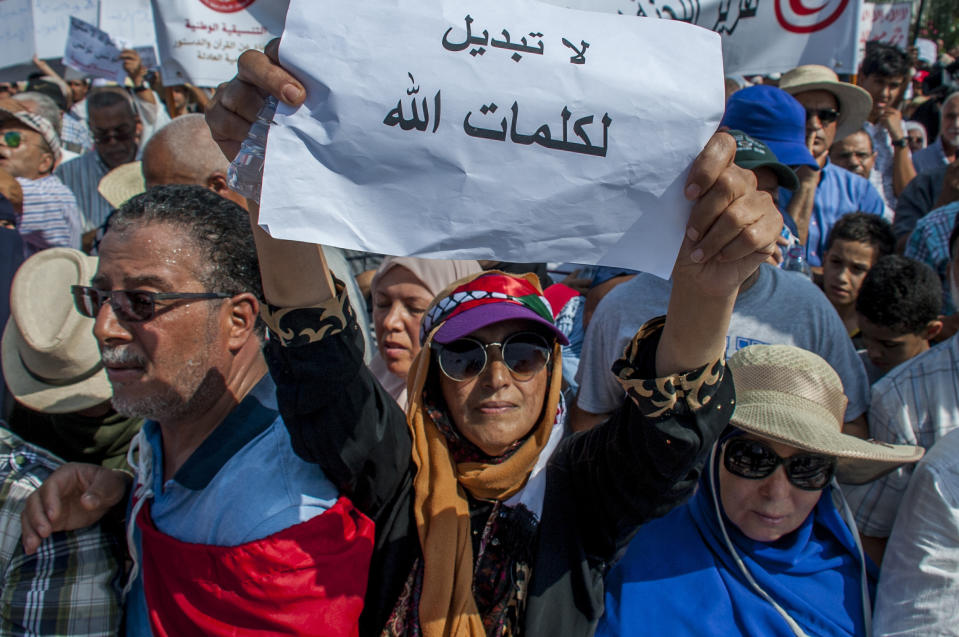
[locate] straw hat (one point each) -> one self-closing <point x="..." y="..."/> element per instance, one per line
<point x="854" y="102"/>
<point x="50" y="358"/>
<point x="794" y="397"/>
<point x="122" y="183"/>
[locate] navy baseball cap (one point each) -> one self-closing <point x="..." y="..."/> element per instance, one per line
<point x="775" y="118"/>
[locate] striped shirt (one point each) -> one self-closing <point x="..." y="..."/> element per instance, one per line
<point x="50" y="216"/>
<point x="929" y="243"/>
<point x="82" y="175"/>
<point x="68" y="586"/>
<point x="917" y="403"/>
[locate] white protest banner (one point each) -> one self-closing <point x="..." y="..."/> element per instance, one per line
<point x="759" y="36"/>
<point x="490" y="129"/>
<point x="51" y="23"/>
<point x="886" y="23"/>
<point x="199" y="41"/>
<point x="130" y="21"/>
<point x="16" y="32"/>
<point x="92" y="51"/>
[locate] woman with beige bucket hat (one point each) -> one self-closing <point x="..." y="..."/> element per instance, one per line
<point x="767" y="546"/>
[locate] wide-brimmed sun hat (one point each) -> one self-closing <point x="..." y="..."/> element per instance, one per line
<point x="485" y="299"/>
<point x="50" y="357"/>
<point x="794" y="397"/>
<point x="854" y="102"/>
<point x="122" y="183"/>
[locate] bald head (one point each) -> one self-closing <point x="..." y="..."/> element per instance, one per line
<point x="183" y="152"/>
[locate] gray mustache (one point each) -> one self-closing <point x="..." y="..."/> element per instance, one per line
<point x="121" y="356"/>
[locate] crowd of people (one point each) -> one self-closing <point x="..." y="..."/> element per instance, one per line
<point x="208" y="431"/>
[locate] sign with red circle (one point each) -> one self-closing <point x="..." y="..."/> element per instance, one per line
<point x="227" y="6"/>
<point x="796" y="17"/>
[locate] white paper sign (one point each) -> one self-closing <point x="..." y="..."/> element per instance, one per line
<point x="759" y="36"/>
<point x="887" y="23"/>
<point x="51" y="23"/>
<point x="16" y="32"/>
<point x="491" y="129"/>
<point x="199" y="41"/>
<point x="93" y="52"/>
<point x="928" y="50"/>
<point x="129" y="20"/>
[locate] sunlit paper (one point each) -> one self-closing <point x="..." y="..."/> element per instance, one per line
<point x="354" y="168"/>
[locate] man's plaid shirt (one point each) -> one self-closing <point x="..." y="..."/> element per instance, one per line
<point x="68" y="586"/>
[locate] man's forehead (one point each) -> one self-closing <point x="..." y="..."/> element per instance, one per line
<point x="114" y="115"/>
<point x="156" y="250"/>
<point x="818" y="97"/>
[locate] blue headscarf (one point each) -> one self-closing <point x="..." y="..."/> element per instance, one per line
<point x="679" y="578"/>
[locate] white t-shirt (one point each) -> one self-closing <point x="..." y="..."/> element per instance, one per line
<point x="780" y="308"/>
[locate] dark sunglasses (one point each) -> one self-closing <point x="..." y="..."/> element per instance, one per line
<point x="12" y="139"/>
<point x="119" y="135"/>
<point x="132" y="306"/>
<point x="825" y="115"/>
<point x="755" y="460"/>
<point x="524" y="353"/>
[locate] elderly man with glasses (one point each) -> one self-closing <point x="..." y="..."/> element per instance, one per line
<point x="29" y="149"/>
<point x="116" y="130"/>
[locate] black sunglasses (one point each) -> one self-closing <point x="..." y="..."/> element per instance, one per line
<point x="524" y="353"/>
<point x="825" y="115"/>
<point x="755" y="460"/>
<point x="132" y="306"/>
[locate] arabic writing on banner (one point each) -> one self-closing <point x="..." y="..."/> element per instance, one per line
<point x="93" y="51"/>
<point x="759" y="36"/>
<point x="200" y="41"/>
<point x="887" y="23"/>
<point x="51" y="23"/>
<point x="494" y="129"/>
<point x="130" y="22"/>
<point x="16" y="32"/>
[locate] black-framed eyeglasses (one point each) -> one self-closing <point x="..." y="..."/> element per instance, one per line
<point x="524" y="353"/>
<point x="754" y="460"/>
<point x="825" y="115"/>
<point x="132" y="306"/>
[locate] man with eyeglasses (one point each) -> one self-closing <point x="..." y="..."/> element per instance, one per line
<point x="29" y="149"/>
<point x="832" y="109"/>
<point x="116" y="132"/>
<point x="229" y="526"/>
<point x="854" y="153"/>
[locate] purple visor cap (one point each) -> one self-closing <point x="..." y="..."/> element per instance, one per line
<point x="476" y="318"/>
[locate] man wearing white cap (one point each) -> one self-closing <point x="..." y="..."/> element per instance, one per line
<point x="29" y="150"/>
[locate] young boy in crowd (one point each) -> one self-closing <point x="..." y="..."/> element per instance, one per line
<point x="898" y="311"/>
<point x="855" y="243"/>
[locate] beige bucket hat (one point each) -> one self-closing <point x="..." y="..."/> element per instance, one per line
<point x="50" y="358"/>
<point x="854" y="102"/>
<point x="122" y="183"/>
<point x="789" y="395"/>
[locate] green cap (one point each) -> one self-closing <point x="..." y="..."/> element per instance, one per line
<point x="752" y="154"/>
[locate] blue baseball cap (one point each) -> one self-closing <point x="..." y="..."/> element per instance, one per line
<point x="775" y="118"/>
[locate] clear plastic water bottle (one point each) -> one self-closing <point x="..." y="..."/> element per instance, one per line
<point x="245" y="174"/>
<point x="795" y="261"/>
